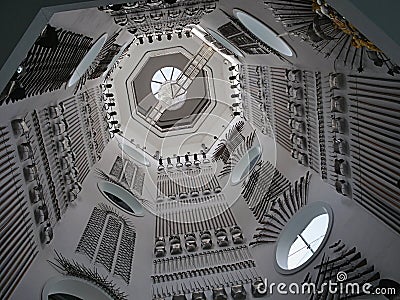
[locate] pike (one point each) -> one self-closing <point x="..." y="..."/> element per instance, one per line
<point x="384" y="176"/>
<point x="361" y="105"/>
<point x="361" y="274"/>
<point x="351" y="269"/>
<point x="323" y="262"/>
<point x="335" y="244"/>
<point x="286" y="199"/>
<point x="379" y="193"/>
<point x="282" y="208"/>
<point x="375" y="93"/>
<point x="374" y="78"/>
<point x="269" y="216"/>
<point x="4" y="176"/>
<point x="7" y="154"/>
<point x="342" y="256"/>
<point x="354" y="58"/>
<point x="19" y="240"/>
<point x="367" y="119"/>
<point x="295" y="2"/>
<point x="347" y="262"/>
<point x="264" y="235"/>
<point x="257" y="242"/>
<point x="373" y="153"/>
<point x="319" y="285"/>
<point x="267" y="230"/>
<point x="5" y="189"/>
<point x="276" y="211"/>
<point x="347" y="53"/>
<point x="268" y="223"/>
<point x="13" y="214"/>
<point x="5" y="146"/>
<point x="265" y="172"/>
<point x="357" y="83"/>
<point x="369" y="129"/>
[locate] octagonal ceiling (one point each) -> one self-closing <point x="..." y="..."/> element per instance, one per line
<point x="197" y="95"/>
<point x="205" y="113"/>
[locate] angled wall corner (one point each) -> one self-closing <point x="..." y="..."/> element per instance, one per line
<point x="22" y="22"/>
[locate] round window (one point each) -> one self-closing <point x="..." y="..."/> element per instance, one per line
<point x="263" y="32"/>
<point x="167" y="85"/>
<point x="303" y="237"/>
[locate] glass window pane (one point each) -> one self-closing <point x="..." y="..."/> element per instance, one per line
<point x="158" y="76"/>
<point x="167" y="72"/>
<point x="263" y="32"/>
<point x="298" y="258"/>
<point x="296" y="246"/>
<point x="315" y="244"/>
<point x="155" y="87"/>
<point x="176" y="74"/>
<point x="316" y="228"/>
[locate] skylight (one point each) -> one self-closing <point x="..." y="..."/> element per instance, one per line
<point x="165" y="88"/>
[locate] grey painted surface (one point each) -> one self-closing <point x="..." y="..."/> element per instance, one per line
<point x="352" y="223"/>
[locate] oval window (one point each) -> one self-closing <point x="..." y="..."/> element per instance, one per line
<point x="303" y="237"/>
<point x="87" y="61"/>
<point x="62" y="296"/>
<point x="224" y="42"/>
<point x="245" y="165"/>
<point x="263" y="32"/>
<point x="72" y="288"/>
<point x="121" y="198"/>
<point x="116" y="57"/>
